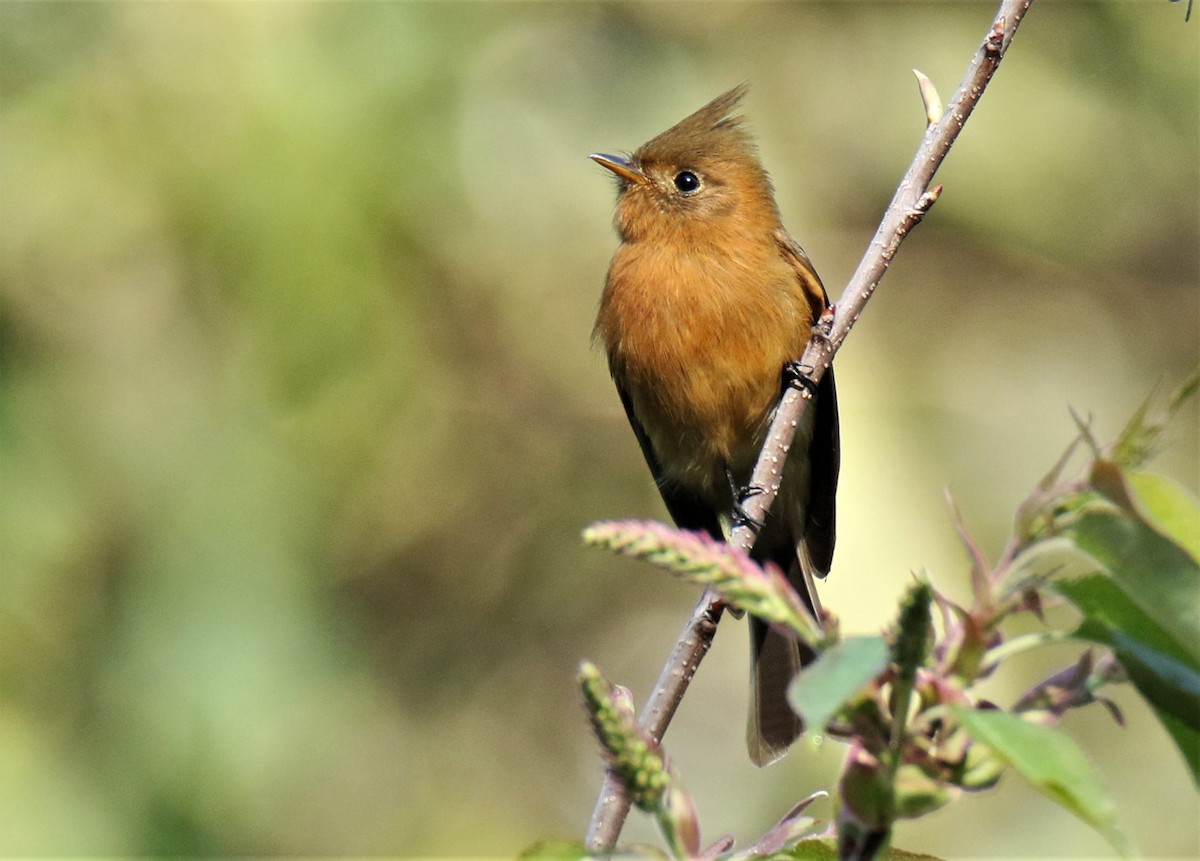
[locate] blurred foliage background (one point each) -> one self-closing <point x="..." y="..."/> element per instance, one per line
<point x="300" y="422"/>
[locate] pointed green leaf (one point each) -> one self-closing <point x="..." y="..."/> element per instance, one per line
<point x="1154" y="572"/>
<point x="1170" y="686"/>
<point x="1187" y="739"/>
<point x="1160" y="668"/>
<point x="1170" y="507"/>
<point x="838" y="674"/>
<point x="1052" y="762"/>
<point x="1106" y="607"/>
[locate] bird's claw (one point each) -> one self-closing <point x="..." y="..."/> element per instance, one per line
<point x="740" y="516"/>
<point x="797" y="375"/>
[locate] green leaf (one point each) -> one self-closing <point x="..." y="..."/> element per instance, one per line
<point x="1172" y="687"/>
<point x="811" y="850"/>
<point x="1053" y="763"/>
<point x="1187" y="739"/>
<point x="1140" y="437"/>
<point x="1154" y="572"/>
<point x="838" y="674"/>
<point x="1137" y="439"/>
<point x="1170" y="508"/>
<point x="1160" y="668"/>
<point x="1187" y="389"/>
<point x="917" y="794"/>
<point x="1106" y="607"/>
<point x="826" y="850"/>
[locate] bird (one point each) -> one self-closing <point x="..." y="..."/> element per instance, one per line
<point x="708" y="301"/>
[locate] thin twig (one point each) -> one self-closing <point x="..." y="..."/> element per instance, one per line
<point x="613" y="804"/>
<point x="912" y="200"/>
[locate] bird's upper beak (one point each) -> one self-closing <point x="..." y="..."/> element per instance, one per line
<point x="622" y="167"/>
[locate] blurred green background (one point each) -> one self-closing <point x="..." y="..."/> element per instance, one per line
<point x="300" y="422"/>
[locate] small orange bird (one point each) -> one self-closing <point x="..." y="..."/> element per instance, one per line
<point x="708" y="301"/>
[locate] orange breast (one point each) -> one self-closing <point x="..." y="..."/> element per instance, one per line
<point x="698" y="340"/>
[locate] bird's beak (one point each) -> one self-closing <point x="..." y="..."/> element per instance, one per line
<point x="622" y="167"/>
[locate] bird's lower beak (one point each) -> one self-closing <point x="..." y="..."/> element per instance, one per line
<point x="622" y="167"/>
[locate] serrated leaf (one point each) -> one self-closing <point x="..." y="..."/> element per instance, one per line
<point x="1052" y="762"/>
<point x="1154" y="572"/>
<point x="1170" y="507"/>
<point x="840" y="672"/>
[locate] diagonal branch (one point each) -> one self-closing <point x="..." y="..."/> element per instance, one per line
<point x="912" y="200"/>
<point x="909" y="205"/>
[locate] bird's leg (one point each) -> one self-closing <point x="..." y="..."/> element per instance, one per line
<point x="740" y="516"/>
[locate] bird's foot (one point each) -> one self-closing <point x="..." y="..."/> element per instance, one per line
<point x="741" y="495"/>
<point x="797" y="375"/>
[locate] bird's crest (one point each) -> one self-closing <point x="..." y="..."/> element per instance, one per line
<point x="709" y="131"/>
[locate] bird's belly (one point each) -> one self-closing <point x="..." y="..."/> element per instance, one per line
<point x="706" y="415"/>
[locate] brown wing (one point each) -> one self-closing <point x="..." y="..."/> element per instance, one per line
<point x="806" y="273"/>
<point x="686" y="509"/>
<point x="824" y="451"/>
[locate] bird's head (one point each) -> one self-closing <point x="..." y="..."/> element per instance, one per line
<point x="701" y="174"/>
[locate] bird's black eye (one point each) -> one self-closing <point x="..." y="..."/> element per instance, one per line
<point x="686" y="181"/>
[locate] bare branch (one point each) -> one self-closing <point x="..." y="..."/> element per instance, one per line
<point x="910" y="203"/>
